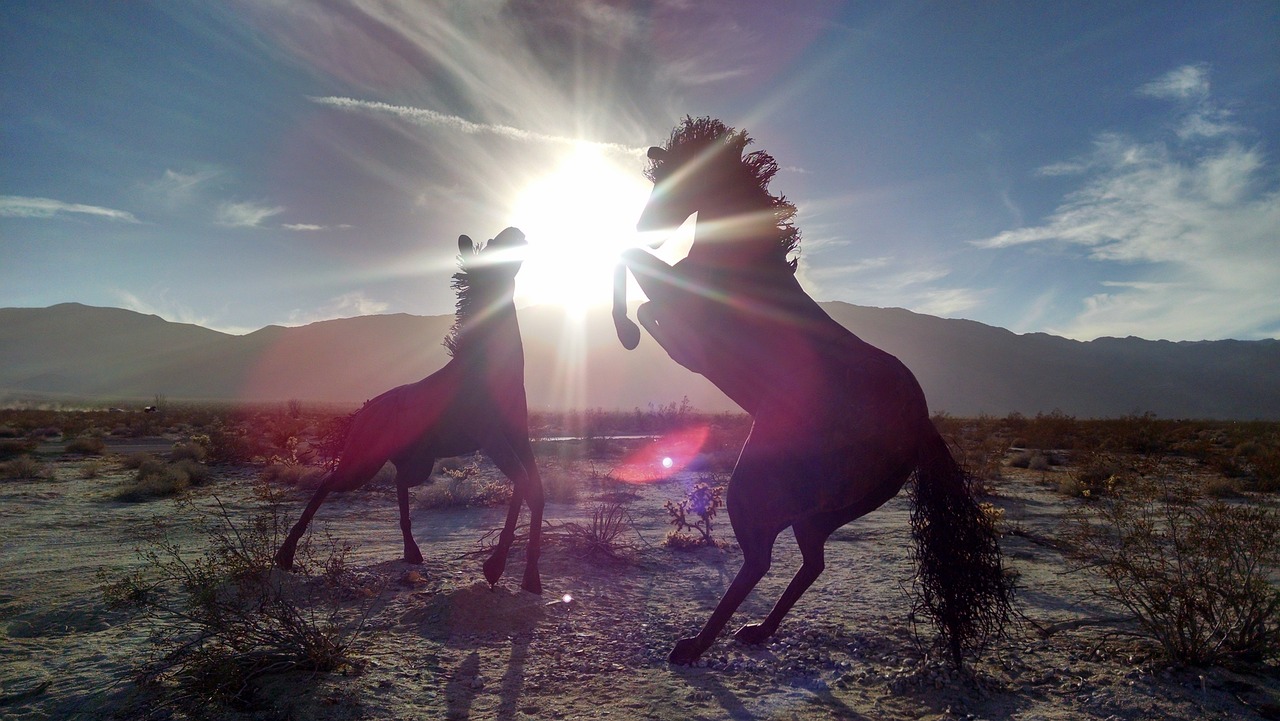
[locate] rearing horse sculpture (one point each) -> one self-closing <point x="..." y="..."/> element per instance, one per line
<point x="838" y="425"/>
<point x="475" y="402"/>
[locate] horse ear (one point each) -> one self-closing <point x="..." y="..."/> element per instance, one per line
<point x="465" y="246"/>
<point x="656" y="153"/>
<point x="508" y="238"/>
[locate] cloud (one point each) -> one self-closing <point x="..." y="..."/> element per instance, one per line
<point x="427" y="117"/>
<point x="1185" y="83"/>
<point x="1188" y="231"/>
<point x="245" y="214"/>
<point x="912" y="287"/>
<point x="311" y="227"/>
<point x="347" y="305"/>
<point x="14" y="206"/>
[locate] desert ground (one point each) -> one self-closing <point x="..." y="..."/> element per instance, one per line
<point x="435" y="641"/>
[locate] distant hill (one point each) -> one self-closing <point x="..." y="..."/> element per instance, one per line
<point x="72" y="351"/>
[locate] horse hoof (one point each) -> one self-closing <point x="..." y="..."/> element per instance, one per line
<point x="284" y="563"/>
<point x="752" y="633"/>
<point x="534" y="586"/>
<point x="687" y="651"/>
<point x="414" y="558"/>
<point x="628" y="333"/>
<point x="493" y="570"/>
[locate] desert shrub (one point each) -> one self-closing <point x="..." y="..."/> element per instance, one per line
<point x="606" y="536"/>
<point x="157" y="479"/>
<point x="463" y="488"/>
<point x="230" y="444"/>
<point x="87" y="446"/>
<point x="14" y="447"/>
<point x="1221" y="487"/>
<point x="1266" y="470"/>
<point x="22" y="467"/>
<point x="1036" y="460"/>
<point x="189" y="451"/>
<point x="1195" y="575"/>
<point x="292" y="475"/>
<point x="222" y="620"/>
<point x="134" y="461"/>
<point x="198" y="474"/>
<point x="7" y="431"/>
<point x="1097" y="475"/>
<point x="92" y="469"/>
<point x="560" y="488"/>
<point x="696" y="512"/>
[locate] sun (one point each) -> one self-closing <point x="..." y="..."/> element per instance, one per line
<point x="577" y="219"/>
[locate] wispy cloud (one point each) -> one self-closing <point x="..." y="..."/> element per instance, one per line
<point x="245" y="214"/>
<point x="15" y="206"/>
<point x="881" y="282"/>
<point x="312" y="227"/>
<point x="1192" y="224"/>
<point x="347" y="305"/>
<point x="428" y="117"/>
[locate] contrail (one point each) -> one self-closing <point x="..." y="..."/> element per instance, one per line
<point x="423" y="116"/>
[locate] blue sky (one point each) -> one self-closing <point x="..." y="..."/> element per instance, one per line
<point x="1084" y="169"/>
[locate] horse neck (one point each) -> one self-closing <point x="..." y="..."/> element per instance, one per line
<point x="491" y="345"/>
<point x="736" y="231"/>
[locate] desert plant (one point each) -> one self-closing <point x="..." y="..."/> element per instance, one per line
<point x="224" y="619"/>
<point x="14" y="447"/>
<point x="22" y="467"/>
<point x="292" y="475"/>
<point x="189" y="451"/>
<point x="87" y="446"/>
<point x="603" y="537"/>
<point x="157" y="479"/>
<point x="1194" y="574"/>
<point x="696" y="512"/>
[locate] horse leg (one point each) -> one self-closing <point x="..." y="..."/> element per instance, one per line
<point x="535" y="500"/>
<point x="412" y="554"/>
<point x="756" y="553"/>
<point x="284" y="556"/>
<point x="756" y="526"/>
<point x="811" y="535"/>
<point x="505" y="457"/>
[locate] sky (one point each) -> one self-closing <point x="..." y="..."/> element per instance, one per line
<point x="1085" y="169"/>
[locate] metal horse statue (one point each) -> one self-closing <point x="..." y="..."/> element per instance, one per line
<point x="838" y="425"/>
<point x="475" y="402"/>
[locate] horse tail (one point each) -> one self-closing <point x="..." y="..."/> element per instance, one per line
<point x="961" y="584"/>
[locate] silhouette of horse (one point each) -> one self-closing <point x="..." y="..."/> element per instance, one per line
<point x="475" y="402"/>
<point x="838" y="425"/>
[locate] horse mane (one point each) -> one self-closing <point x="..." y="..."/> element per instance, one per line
<point x="708" y="140"/>
<point x="465" y="308"/>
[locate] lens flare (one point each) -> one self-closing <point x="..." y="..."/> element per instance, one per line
<point x="664" y="456"/>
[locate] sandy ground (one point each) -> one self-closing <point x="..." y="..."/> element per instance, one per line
<point x="439" y="643"/>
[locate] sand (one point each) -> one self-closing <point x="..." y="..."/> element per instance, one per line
<point x="438" y="642"/>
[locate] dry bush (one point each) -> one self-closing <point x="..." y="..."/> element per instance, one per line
<point x="1194" y="574"/>
<point x="292" y="475"/>
<point x="189" y="451"/>
<point x="134" y="461"/>
<point x="1095" y="476"/>
<point x="14" y="447"/>
<point x="464" y="488"/>
<point x="157" y="479"/>
<point x="22" y="467"/>
<point x="222" y="620"/>
<point x="87" y="446"/>
<point x="604" y="537"/>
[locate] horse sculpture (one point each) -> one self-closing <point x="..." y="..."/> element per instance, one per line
<point x="838" y="425"/>
<point x="475" y="402"/>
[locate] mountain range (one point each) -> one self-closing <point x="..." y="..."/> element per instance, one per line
<point x="72" y="352"/>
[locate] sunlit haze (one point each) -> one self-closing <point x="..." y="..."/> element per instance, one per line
<point x="577" y="218"/>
